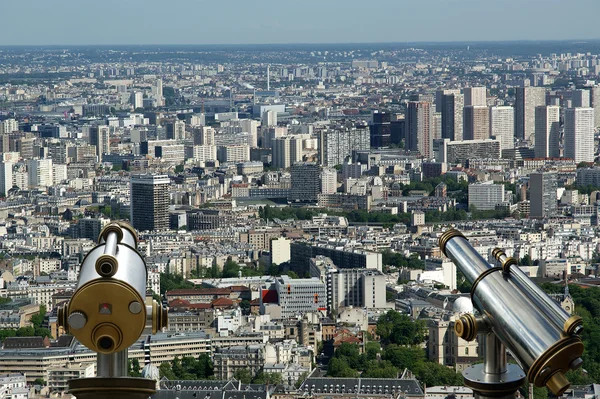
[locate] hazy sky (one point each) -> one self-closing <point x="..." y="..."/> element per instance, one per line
<point x="288" y="21"/>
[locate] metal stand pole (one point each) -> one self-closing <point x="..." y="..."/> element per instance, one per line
<point x="113" y="365"/>
<point x="112" y="381"/>
<point x="494" y="378"/>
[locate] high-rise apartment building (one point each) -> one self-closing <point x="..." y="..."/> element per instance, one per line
<point x="6" y="177"/>
<point x="40" y="173"/>
<point x="100" y="137"/>
<point x="502" y="126"/>
<point x="286" y="151"/>
<point x="475" y="96"/>
<point x="9" y="126"/>
<point x="527" y="98"/>
<point x="305" y="182"/>
<point x="579" y="134"/>
<point x="486" y="196"/>
<point x="476" y="123"/>
<point x="137" y="99"/>
<point x="542" y="197"/>
<point x="233" y="153"/>
<point x="150" y="202"/>
<point x="547" y="131"/>
<point x="580" y="99"/>
<point x="418" y="127"/>
<point x="328" y="181"/>
<point x="336" y="144"/>
<point x="595" y="103"/>
<point x="452" y="116"/>
<point x="203" y="135"/>
<point x="176" y="130"/>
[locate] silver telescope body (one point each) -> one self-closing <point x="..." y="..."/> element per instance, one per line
<point x="108" y="311"/>
<point x="541" y="337"/>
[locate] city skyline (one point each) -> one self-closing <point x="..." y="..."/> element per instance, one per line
<point x="268" y="23"/>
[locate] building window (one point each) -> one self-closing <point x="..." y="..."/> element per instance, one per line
<point x="466" y="351"/>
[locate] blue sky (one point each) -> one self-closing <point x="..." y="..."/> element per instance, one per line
<point x="285" y="21"/>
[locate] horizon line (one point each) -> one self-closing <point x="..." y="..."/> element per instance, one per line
<point x="497" y="41"/>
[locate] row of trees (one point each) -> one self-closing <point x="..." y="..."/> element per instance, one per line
<point x="35" y="330"/>
<point x="399" y="260"/>
<point x="185" y="368"/>
<point x="399" y="348"/>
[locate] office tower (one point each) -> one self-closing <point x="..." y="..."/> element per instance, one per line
<point x="137" y="135"/>
<point x="547" y="131"/>
<point x="381" y="130"/>
<point x="305" y="182"/>
<point x="203" y="135"/>
<point x="99" y="136"/>
<point x="527" y="98"/>
<point x="595" y="103"/>
<point x="580" y="99"/>
<point x="398" y="130"/>
<point x="286" y="151"/>
<point x="475" y="96"/>
<point x="436" y="123"/>
<point x="175" y="130"/>
<point x="337" y="144"/>
<point x="502" y="126"/>
<point x="579" y="134"/>
<point x="439" y="94"/>
<point x="4" y="143"/>
<point x="328" y="181"/>
<point x="150" y="202"/>
<point x="137" y="99"/>
<point x="542" y="195"/>
<point x="418" y="127"/>
<point x="452" y="115"/>
<point x="476" y="122"/>
<point x="6" y="177"/>
<point x="40" y="173"/>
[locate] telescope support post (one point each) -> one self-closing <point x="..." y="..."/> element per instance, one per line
<point x="495" y="378"/>
<point x="112" y="365"/>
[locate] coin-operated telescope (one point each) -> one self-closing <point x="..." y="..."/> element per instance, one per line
<point x="516" y="315"/>
<point x="108" y="313"/>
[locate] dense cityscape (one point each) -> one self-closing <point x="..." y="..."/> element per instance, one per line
<point x="289" y="201"/>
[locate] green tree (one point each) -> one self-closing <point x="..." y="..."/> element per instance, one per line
<point x="243" y="375"/>
<point x="230" y="269"/>
<point x="39" y="381"/>
<point x="400" y="329"/>
<point x="133" y="366"/>
<point x="268" y="378"/>
<point x="166" y="371"/>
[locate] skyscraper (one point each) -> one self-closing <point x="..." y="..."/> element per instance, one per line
<point x="286" y="151"/>
<point x="579" y="134"/>
<point x="150" y="202"/>
<point x="527" y="98"/>
<point x="306" y="182"/>
<point x="439" y="94"/>
<point x="418" y="127"/>
<point x="380" y="129"/>
<point x="542" y="188"/>
<point x="580" y="99"/>
<point x="547" y="131"/>
<point x="476" y="96"/>
<point x="502" y="126"/>
<point x="6" y="177"/>
<point x="100" y="137"/>
<point x="476" y="122"/>
<point x="452" y="116"/>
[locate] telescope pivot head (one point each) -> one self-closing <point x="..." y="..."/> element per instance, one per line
<point x="107" y="312"/>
